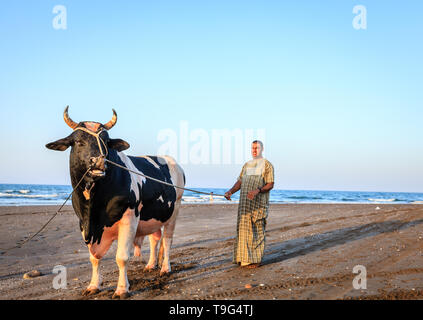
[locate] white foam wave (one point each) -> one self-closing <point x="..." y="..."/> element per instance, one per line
<point x="193" y="200"/>
<point x="9" y="195"/>
<point x="382" y="200"/>
<point x="202" y="198"/>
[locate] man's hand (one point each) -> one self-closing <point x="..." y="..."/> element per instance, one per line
<point x="231" y="191"/>
<point x="228" y="195"/>
<point x="251" y="195"/>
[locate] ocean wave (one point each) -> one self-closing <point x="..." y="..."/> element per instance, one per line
<point x="24" y="195"/>
<point x="202" y="198"/>
<point x="23" y="191"/>
<point x="38" y="194"/>
<point x="304" y="198"/>
<point x="193" y="199"/>
<point x="383" y="200"/>
<point x="348" y="199"/>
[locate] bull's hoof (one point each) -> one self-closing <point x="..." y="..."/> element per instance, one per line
<point x="90" y="292"/>
<point x="137" y="252"/>
<point x="150" y="268"/>
<point x="164" y="273"/>
<point x="121" y="296"/>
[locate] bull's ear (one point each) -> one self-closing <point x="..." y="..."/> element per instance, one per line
<point x="60" y="145"/>
<point x="118" y="144"/>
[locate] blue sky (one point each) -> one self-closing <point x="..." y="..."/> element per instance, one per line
<point x="341" y="108"/>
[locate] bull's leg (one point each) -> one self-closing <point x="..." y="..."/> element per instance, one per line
<point x="126" y="235"/>
<point x="167" y="242"/>
<point x="168" y="231"/>
<point x="97" y="251"/>
<point x="137" y="247"/>
<point x="161" y="254"/>
<point x="154" y="240"/>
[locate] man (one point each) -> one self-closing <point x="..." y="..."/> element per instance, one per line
<point x="255" y="181"/>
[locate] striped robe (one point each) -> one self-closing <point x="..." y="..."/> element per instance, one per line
<point x="252" y="214"/>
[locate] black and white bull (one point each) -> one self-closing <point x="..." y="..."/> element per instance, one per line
<point x="115" y="204"/>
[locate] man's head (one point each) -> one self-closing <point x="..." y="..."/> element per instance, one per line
<point x="256" y="149"/>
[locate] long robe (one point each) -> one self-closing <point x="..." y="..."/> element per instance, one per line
<point x="252" y="214"/>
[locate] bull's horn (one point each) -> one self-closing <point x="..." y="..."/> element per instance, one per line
<point x="112" y="122"/>
<point x="68" y="120"/>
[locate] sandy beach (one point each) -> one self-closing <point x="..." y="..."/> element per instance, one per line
<point x="310" y="253"/>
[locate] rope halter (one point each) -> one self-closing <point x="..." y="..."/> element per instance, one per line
<point x="89" y="186"/>
<point x="98" y="138"/>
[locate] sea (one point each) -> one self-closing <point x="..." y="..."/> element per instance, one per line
<point x="33" y="194"/>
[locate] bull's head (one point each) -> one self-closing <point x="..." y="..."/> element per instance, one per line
<point x="90" y="143"/>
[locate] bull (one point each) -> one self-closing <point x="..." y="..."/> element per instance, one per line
<point x="116" y="204"/>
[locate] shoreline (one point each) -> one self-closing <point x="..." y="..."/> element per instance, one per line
<point x="237" y="202"/>
<point x="51" y="195"/>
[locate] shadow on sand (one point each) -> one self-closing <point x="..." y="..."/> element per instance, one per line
<point x="277" y="252"/>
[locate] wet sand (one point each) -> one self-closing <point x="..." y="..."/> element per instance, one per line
<point x="311" y="250"/>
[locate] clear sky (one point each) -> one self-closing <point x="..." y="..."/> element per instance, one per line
<point x="341" y="108"/>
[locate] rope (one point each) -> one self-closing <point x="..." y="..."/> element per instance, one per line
<point x="211" y="194"/>
<point x="42" y="228"/>
<point x="163" y="182"/>
<point x="98" y="138"/>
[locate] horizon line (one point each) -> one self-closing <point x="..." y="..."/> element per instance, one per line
<point x="191" y="187"/>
